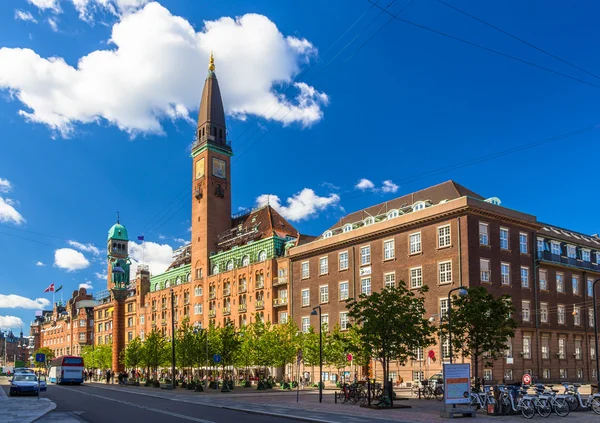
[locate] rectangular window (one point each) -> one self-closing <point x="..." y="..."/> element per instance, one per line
<point x="527" y="347"/>
<point x="586" y="255"/>
<point x="389" y="280"/>
<point x="523" y="243"/>
<point x="578" y="350"/>
<point x="575" y="284"/>
<point x="388" y="249"/>
<point x="283" y="317"/>
<point x="577" y="316"/>
<point x="509" y="349"/>
<point x="344" y="294"/>
<point x="325" y="322"/>
<point x="591" y="317"/>
<point x="365" y="286"/>
<point x="525" y="311"/>
<point x="417" y="376"/>
<point x="540" y="246"/>
<point x="508" y="374"/>
<point x="323" y="266"/>
<point x="590" y="287"/>
<point x="545" y="347"/>
<point x="415" y="243"/>
<point x="305" y="270"/>
<point x="129" y="322"/>
<point x="305" y="297"/>
<point x="444" y="236"/>
<point x="543" y="280"/>
<point x="418" y="353"/>
<point x="324" y="294"/>
<point x="544" y="312"/>
<point x="504" y="238"/>
<point x="445" y="272"/>
<point x="546" y="374"/>
<point x="555" y="248"/>
<point x="305" y="324"/>
<point x="560" y="282"/>
<point x="198" y="291"/>
<point x="563" y="373"/>
<point x="487" y="374"/>
<point x="443" y="308"/>
<point x="560" y="314"/>
<point x="562" y="348"/>
<point x="445" y="347"/>
<point x="343" y="260"/>
<point x="416" y="277"/>
<point x="505" y="272"/>
<point x="524" y="277"/>
<point x="484" y="266"/>
<point x="571" y="251"/>
<point x="484" y="234"/>
<point x="344" y="320"/>
<point x="592" y="349"/>
<point x="365" y="255"/>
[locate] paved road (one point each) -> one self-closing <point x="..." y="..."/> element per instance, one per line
<point x="95" y="405"/>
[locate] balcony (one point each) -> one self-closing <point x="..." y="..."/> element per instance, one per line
<point x="547" y="256"/>
<point x="212" y="313"/>
<point x="242" y="289"/>
<point x="260" y="284"/>
<point x="280" y="302"/>
<point x="280" y="281"/>
<point x="212" y="295"/>
<point x="226" y="311"/>
<point x="242" y="308"/>
<point x="154" y="308"/>
<point x="186" y="301"/>
<point x="259" y="305"/>
<point x="163" y="322"/>
<point x="164" y="306"/>
<point x="226" y="292"/>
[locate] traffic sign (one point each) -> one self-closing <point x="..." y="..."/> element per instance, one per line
<point x="217" y="358"/>
<point x="526" y="379"/>
<point x="349" y="357"/>
<point x="40" y="358"/>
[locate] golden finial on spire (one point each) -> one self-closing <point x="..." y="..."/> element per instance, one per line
<point x="211" y="64"/>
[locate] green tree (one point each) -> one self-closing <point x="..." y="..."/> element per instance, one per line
<point x="481" y="325"/>
<point x="310" y="350"/>
<point x="262" y="342"/>
<point x="103" y="356"/>
<point x="48" y="352"/>
<point x="243" y="357"/>
<point x="229" y="343"/>
<point x="155" y="350"/>
<point x="336" y="349"/>
<point x="185" y="345"/>
<point x="361" y="355"/>
<point x="199" y="349"/>
<point x="132" y="354"/>
<point x="392" y="323"/>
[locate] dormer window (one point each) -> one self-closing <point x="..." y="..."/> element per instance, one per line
<point x="215" y="269"/>
<point x="245" y="260"/>
<point x="420" y="205"/>
<point x="230" y="265"/>
<point x="347" y="228"/>
<point x="369" y="221"/>
<point x="392" y="214"/>
<point x="327" y="234"/>
<point x="262" y="256"/>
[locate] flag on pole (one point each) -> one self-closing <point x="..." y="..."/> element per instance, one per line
<point x="50" y="288"/>
<point x="140" y="237"/>
<point x="58" y="289"/>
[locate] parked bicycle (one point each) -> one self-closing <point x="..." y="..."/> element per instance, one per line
<point x="553" y="401"/>
<point x="573" y="398"/>
<point x="524" y="403"/>
<point x="427" y="391"/>
<point x="480" y="399"/>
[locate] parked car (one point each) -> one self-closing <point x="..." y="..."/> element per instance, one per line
<point x="437" y="378"/>
<point x="25" y="383"/>
<point x="23" y="370"/>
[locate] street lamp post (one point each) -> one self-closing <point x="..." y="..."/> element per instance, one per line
<point x="314" y="313"/>
<point x="596" y="331"/>
<point x="461" y="293"/>
<point x="172" y="338"/>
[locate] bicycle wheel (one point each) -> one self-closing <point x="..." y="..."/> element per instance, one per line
<point x="561" y="407"/>
<point x="474" y="403"/>
<point x="573" y="402"/>
<point x="543" y="408"/>
<point x="439" y="393"/>
<point x="505" y="406"/>
<point x="595" y="405"/>
<point x="428" y="393"/>
<point x="415" y="391"/>
<point x="363" y="398"/>
<point x="527" y="409"/>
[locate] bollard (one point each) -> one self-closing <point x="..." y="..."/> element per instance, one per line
<point x="391" y="394"/>
<point x="369" y="391"/>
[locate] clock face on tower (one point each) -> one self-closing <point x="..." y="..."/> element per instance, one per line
<point x="219" y="168"/>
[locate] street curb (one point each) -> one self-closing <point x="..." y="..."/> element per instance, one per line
<point x="50" y="408"/>
<point x="287" y="416"/>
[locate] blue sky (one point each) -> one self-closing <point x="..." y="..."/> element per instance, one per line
<point x="315" y="105"/>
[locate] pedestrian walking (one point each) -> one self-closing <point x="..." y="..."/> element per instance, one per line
<point x="107" y="377"/>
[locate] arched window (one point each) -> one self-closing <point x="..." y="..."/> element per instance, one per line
<point x="177" y="280"/>
<point x="167" y="283"/>
<point x="419" y="205"/>
<point x="230" y="265"/>
<point x="392" y="214"/>
<point x="215" y="269"/>
<point x="347" y="228"/>
<point x="262" y="256"/>
<point x="369" y="221"/>
<point x="245" y="260"/>
<point x="188" y="277"/>
<point x="327" y="234"/>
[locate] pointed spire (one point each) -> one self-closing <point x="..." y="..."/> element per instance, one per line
<point x="211" y="117"/>
<point x="211" y="63"/>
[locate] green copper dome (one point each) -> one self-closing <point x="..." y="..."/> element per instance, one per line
<point x="118" y="232"/>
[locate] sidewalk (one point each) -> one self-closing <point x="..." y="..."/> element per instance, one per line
<point x="22" y="410"/>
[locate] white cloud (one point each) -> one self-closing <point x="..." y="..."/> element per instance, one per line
<point x="88" y="248"/>
<point x="8" y="213"/>
<point x="101" y="276"/>
<point x="39" y="263"/>
<point x="181" y="241"/>
<point x="364" y="184"/>
<point x="155" y="71"/>
<point x="87" y="8"/>
<point x="53" y="22"/>
<point x="24" y="16"/>
<point x="52" y="5"/>
<point x="157" y="256"/>
<point x="300" y="206"/>
<point x="70" y="260"/>
<point x="87" y="285"/>
<point x="17" y="301"/>
<point x="5" y="185"/>
<point x="389" y="186"/>
<point x="11" y="322"/>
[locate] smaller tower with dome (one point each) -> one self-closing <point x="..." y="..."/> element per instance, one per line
<point x="118" y="257"/>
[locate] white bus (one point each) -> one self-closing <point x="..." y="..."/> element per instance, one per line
<point x="66" y="369"/>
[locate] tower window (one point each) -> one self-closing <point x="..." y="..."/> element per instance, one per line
<point x="220" y="133"/>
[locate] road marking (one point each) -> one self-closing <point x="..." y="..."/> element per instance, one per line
<point x="154" y="410"/>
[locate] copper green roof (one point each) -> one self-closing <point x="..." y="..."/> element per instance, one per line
<point x="119" y="232"/>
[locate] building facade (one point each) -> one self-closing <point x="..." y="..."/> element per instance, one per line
<point x="448" y="236"/>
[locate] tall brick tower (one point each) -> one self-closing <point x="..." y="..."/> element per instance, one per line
<point x="211" y="178"/>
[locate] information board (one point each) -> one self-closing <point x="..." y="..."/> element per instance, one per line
<point x="457" y="384"/>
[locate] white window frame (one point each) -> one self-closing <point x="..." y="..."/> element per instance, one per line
<point x="342" y="262"/>
<point x="347" y="227"/>
<point x="526" y="310"/>
<point x="505" y="273"/>
<point x="445" y="272"/>
<point x="576" y="316"/>
<point x="365" y="255"/>
<point x="302" y="298"/>
<point x="325" y="322"/>
<point x="368" y="221"/>
<point x="524" y="277"/>
<point x="444" y="239"/>
<point x="504" y="241"/>
<point x="416" y="277"/>
<point x="389" y="280"/>
<point x="544" y="280"/>
<point x="414" y="243"/>
<point x="443" y="307"/>
<point x="544" y="312"/>
<point x="344" y="320"/>
<point x="523" y="244"/>
<point x="575" y="285"/>
<point x="323" y="294"/>
<point x="555" y="248"/>
<point x="586" y="254"/>
<point x="484" y="236"/>
<point x="365" y="288"/>
<point x="560" y="314"/>
<point x="562" y="347"/>
<point x="485" y="275"/>
<point x="389" y="253"/>
<point x="571" y="251"/>
<point x="560" y="282"/>
<point x="527" y="347"/>
<point x="347" y="290"/>
<point x="305" y="270"/>
<point x="305" y="324"/>
<point x="323" y="265"/>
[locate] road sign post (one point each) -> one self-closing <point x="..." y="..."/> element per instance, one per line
<point x="526" y="379"/>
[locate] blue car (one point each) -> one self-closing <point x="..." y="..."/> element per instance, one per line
<point x="26" y="383"/>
